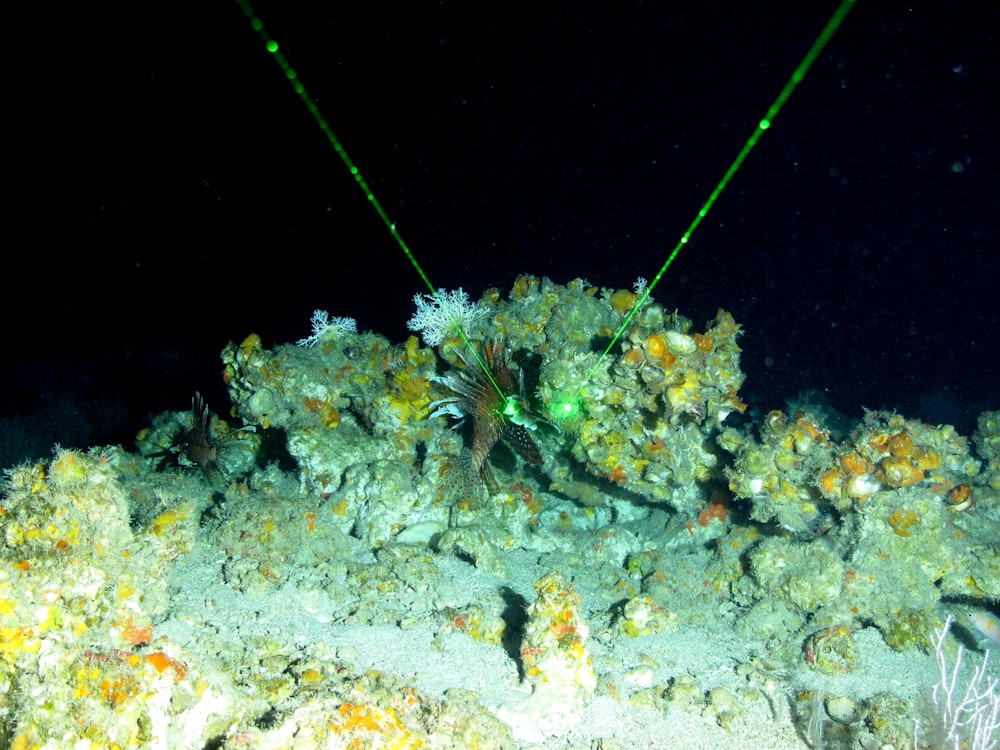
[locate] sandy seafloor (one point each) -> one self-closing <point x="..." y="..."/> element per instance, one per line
<point x="158" y="607"/>
<point x="421" y="655"/>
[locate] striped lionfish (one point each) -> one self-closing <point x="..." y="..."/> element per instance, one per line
<point x="496" y="404"/>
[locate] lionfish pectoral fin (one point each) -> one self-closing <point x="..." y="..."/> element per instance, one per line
<point x="460" y="481"/>
<point x="518" y="438"/>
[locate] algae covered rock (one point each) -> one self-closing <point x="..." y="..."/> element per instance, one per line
<point x="776" y="472"/>
<point x="805" y="576"/>
<point x="80" y="590"/>
<point x="556" y="663"/>
<point x="987" y="441"/>
<point x="335" y="400"/>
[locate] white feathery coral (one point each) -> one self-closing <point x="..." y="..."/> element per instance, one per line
<point x="440" y="315"/>
<point x="966" y="718"/>
<point x="323" y="324"/>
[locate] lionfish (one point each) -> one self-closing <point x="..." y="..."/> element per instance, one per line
<point x="196" y="446"/>
<point x="496" y="404"/>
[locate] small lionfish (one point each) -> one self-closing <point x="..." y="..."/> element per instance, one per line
<point x="196" y="446"/>
<point x="496" y="414"/>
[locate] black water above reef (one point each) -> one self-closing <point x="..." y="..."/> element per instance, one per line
<point x="196" y="200"/>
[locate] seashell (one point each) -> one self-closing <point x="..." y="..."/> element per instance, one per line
<point x="775" y="422"/>
<point x="901" y="444"/>
<point x="657" y="350"/>
<point x="863" y="486"/>
<point x="680" y="343"/>
<point x="633" y="359"/>
<point x="855" y="464"/>
<point x="926" y="460"/>
<point x="652" y="317"/>
<point x="829" y="484"/>
<point x="843" y="710"/>
<point x="899" y="471"/>
<point x="652" y="376"/>
<point x="959" y="498"/>
<point x="756" y="462"/>
<point x="656" y="347"/>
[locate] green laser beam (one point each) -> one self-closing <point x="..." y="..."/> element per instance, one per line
<point x="570" y="406"/>
<point x="299" y="88"/>
<point x="797" y="75"/>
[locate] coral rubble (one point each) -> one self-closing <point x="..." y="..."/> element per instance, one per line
<point x="338" y="491"/>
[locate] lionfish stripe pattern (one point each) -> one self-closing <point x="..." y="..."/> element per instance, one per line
<point x="475" y="397"/>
